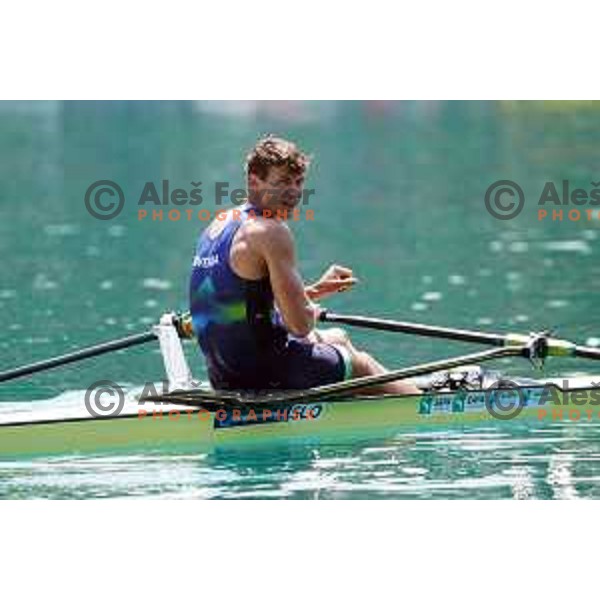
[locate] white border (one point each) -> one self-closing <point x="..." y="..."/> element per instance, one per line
<point x="184" y="50"/>
<point x="265" y="549"/>
<point x="308" y="50"/>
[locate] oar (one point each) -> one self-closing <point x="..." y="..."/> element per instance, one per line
<point x="552" y="346"/>
<point x="181" y="321"/>
<point x="77" y="355"/>
<point x="342" y="388"/>
<point x="351" y="385"/>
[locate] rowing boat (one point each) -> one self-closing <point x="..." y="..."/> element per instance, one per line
<point x="176" y="426"/>
<point x="456" y="392"/>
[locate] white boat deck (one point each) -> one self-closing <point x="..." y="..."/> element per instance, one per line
<point x="70" y="405"/>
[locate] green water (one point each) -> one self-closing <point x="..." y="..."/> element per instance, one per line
<point x="399" y="198"/>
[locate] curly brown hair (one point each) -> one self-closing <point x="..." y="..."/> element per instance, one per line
<point x="271" y="151"/>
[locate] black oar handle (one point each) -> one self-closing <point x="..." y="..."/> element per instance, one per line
<point x="463" y="335"/>
<point x="77" y="355"/>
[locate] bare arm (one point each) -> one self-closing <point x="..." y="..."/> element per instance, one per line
<point x="273" y="241"/>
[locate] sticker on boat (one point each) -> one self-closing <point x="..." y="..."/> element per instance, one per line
<point x="492" y="400"/>
<point x="284" y="413"/>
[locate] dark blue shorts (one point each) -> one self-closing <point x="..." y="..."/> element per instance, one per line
<point x="296" y="366"/>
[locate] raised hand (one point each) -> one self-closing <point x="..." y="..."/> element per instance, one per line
<point x="335" y="279"/>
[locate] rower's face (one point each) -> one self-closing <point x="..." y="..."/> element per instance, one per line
<point x="281" y="189"/>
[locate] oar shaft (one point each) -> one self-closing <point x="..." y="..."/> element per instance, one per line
<point x="341" y="389"/>
<point x="585" y="352"/>
<point x="552" y="347"/>
<point x="463" y="335"/>
<point x="77" y="355"/>
<point x="346" y="387"/>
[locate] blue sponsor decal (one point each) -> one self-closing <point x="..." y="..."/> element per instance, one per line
<point x="451" y="403"/>
<point x="464" y="402"/>
<point x="252" y="415"/>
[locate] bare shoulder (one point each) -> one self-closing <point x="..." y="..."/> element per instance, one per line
<point x="268" y="234"/>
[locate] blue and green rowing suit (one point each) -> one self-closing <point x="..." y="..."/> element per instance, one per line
<point x="242" y="336"/>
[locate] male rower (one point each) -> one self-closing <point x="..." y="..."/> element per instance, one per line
<point x="252" y="314"/>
